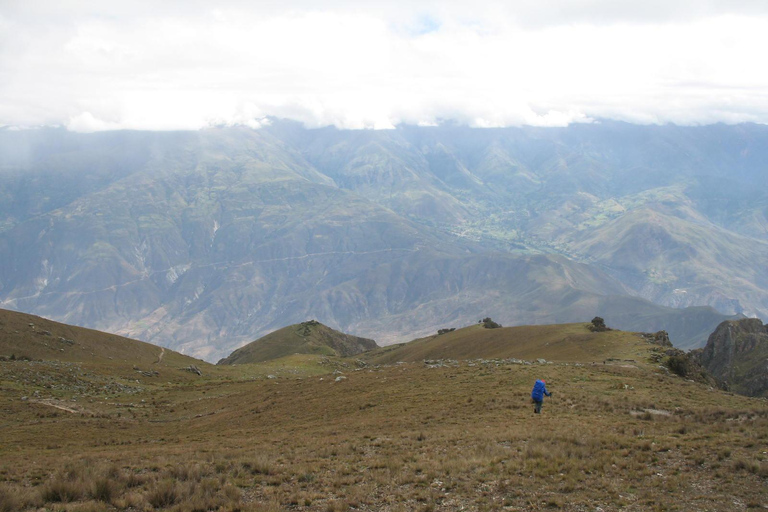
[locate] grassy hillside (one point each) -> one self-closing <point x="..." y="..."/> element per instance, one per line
<point x="394" y="437"/>
<point x="29" y="337"/>
<point x="567" y="342"/>
<point x="305" y="338"/>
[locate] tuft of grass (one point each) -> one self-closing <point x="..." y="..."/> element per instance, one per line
<point x="9" y="502"/>
<point x="259" y="465"/>
<point x="104" y="489"/>
<point x="163" y="494"/>
<point x="62" y="490"/>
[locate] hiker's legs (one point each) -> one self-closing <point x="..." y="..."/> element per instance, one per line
<point x="537" y="407"/>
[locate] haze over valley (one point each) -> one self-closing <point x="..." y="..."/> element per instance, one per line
<point x="203" y="241"/>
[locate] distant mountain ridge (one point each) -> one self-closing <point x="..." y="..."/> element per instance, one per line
<point x="202" y="241"/>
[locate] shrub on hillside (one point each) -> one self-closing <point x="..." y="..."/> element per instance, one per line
<point x="679" y="365"/>
<point x="598" y="325"/>
<point x="489" y="324"/>
<point x="444" y="331"/>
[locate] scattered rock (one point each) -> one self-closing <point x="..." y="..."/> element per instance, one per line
<point x="193" y="369"/>
<point x="340" y="378"/>
<point x="657" y="338"/>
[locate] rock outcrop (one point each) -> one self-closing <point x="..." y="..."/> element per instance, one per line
<point x="736" y="354"/>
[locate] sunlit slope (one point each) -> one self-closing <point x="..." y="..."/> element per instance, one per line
<point x="563" y="342"/>
<point x="305" y="338"/>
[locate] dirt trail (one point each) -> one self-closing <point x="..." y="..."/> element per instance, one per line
<point x="57" y="405"/>
<point x="160" y="357"/>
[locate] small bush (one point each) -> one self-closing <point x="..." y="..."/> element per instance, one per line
<point x="598" y="325"/>
<point x="678" y="365"/>
<point x="489" y="324"/>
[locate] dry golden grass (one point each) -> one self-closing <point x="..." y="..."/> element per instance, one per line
<point x="25" y="336"/>
<point x="566" y="342"/>
<point x="394" y="438"/>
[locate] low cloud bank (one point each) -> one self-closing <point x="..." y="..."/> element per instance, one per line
<point x="353" y="66"/>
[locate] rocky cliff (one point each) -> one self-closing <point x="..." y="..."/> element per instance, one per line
<point x="736" y="354"/>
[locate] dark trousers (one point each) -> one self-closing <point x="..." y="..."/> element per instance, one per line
<point x="537" y="406"/>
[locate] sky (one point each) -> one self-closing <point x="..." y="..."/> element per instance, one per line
<point x="171" y="64"/>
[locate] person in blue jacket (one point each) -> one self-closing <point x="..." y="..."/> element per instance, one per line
<point x="538" y="393"/>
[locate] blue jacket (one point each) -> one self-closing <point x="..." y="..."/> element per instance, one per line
<point x="539" y="390"/>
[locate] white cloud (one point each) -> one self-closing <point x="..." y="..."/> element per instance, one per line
<point x="96" y="66"/>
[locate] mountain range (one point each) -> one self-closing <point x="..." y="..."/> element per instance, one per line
<point x="204" y="241"/>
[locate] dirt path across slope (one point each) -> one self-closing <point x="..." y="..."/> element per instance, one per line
<point x="58" y="405"/>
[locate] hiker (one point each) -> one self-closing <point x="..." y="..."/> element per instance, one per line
<point x="537" y="395"/>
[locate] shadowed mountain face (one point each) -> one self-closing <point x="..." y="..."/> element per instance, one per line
<point x="203" y="241"/>
<point x="736" y="355"/>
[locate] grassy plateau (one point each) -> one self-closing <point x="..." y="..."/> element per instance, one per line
<point x="384" y="432"/>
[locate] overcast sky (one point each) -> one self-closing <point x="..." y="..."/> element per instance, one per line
<point x="172" y="64"/>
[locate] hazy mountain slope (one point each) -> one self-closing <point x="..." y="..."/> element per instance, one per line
<point x="309" y="337"/>
<point x="205" y="240"/>
<point x="384" y="167"/>
<point x="687" y="327"/>
<point x="201" y="249"/>
<point x="41" y="170"/>
<point x="680" y="262"/>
